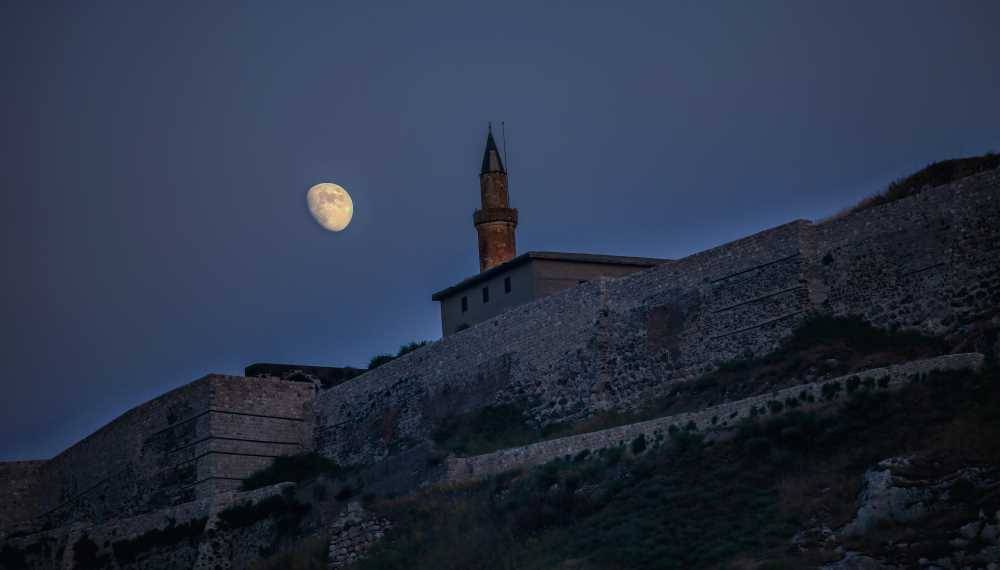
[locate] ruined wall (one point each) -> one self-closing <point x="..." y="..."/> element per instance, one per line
<point x="928" y="262"/>
<point x="721" y="416"/>
<point x="194" y="441"/>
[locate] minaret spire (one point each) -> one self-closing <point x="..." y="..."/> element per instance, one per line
<point x="496" y="220"/>
<point x="491" y="156"/>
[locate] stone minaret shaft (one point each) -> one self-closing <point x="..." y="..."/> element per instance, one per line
<point x="496" y="220"/>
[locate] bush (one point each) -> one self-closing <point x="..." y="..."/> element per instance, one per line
<point x="380" y="359"/>
<point x="85" y="554"/>
<point x="830" y="390"/>
<point x="128" y="550"/>
<point x="284" y="508"/>
<point x="309" y="554"/>
<point x="293" y="468"/>
<point x="639" y="444"/>
<point x="484" y="430"/>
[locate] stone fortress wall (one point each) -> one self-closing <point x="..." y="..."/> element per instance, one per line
<point x="928" y="262"/>
<point x="192" y="442"/>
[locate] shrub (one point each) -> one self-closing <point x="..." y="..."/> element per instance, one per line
<point x="85" y="554"/>
<point x="639" y="444"/>
<point x="294" y="468"/>
<point x="757" y="447"/>
<point x="379" y="360"/>
<point x="309" y="554"/>
<point x="11" y="557"/>
<point x="284" y="508"/>
<point x="852" y="384"/>
<point x="830" y="390"/>
<point x="411" y="346"/>
<point x="128" y="550"/>
<point x="484" y="430"/>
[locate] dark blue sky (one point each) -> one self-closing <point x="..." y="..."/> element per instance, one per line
<point x="155" y="158"/>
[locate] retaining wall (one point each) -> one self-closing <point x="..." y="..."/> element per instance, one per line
<point x="353" y="533"/>
<point x="716" y="417"/>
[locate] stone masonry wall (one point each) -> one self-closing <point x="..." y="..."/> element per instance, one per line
<point x="18" y="481"/>
<point x="721" y="416"/>
<point x="393" y="406"/>
<point x="353" y="533"/>
<point x="565" y="355"/>
<point x="927" y="262"/>
<point x="194" y="441"/>
<point x="930" y="262"/>
<point x="214" y="548"/>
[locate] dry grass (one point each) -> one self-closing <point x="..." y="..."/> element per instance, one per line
<point x="931" y="176"/>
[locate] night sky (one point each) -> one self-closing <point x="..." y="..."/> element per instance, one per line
<point x="155" y="158"/>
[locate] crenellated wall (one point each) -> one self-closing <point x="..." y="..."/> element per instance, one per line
<point x="928" y="262"/>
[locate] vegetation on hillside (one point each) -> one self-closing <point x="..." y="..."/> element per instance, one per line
<point x="934" y="174"/>
<point x="380" y="359"/>
<point x="821" y="347"/>
<point x="294" y="468"/>
<point x="690" y="503"/>
<point x="309" y="554"/>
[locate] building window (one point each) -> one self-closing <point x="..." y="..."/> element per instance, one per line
<point x="465" y="304"/>
<point x="486" y="294"/>
<point x="506" y="284"/>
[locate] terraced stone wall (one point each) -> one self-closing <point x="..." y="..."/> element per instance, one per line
<point x="814" y="394"/>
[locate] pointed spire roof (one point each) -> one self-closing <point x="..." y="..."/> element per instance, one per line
<point x="491" y="156"/>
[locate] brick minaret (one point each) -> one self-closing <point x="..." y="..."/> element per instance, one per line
<point x="496" y="220"/>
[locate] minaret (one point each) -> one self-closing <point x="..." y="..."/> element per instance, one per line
<point x="496" y="220"/>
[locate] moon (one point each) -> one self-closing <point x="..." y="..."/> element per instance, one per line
<point x="331" y="205"/>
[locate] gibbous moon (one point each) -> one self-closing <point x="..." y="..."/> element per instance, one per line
<point x="331" y="205"/>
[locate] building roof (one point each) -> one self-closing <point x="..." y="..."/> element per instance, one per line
<point x="491" y="156"/>
<point x="552" y="256"/>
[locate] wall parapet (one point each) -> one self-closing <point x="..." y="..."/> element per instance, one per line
<point x="722" y="416"/>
